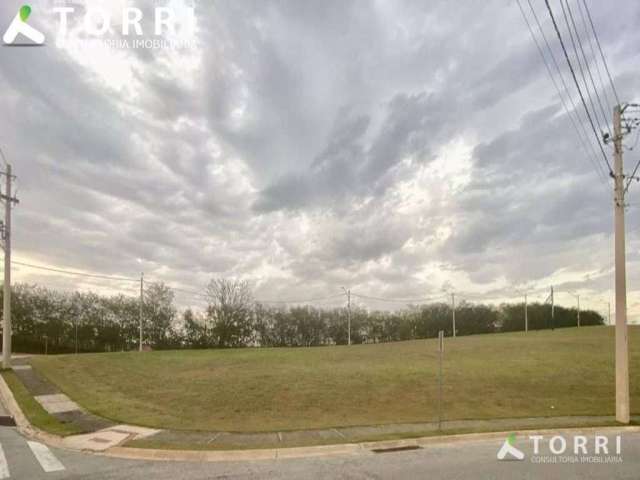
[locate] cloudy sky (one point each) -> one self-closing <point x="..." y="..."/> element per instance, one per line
<point x="399" y="148"/>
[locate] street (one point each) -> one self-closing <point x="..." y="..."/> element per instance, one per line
<point x="460" y="460"/>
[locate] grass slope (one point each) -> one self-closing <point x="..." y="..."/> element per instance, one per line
<point x="543" y="373"/>
<point x="34" y="412"/>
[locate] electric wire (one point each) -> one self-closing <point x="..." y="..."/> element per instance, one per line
<point x="586" y="64"/>
<point x="399" y="300"/>
<point x="575" y="79"/>
<point x="580" y="69"/>
<point x="631" y="177"/>
<point x="579" y="127"/>
<point x="72" y="272"/>
<point x="604" y="61"/>
<point x="602" y="84"/>
<point x="308" y="300"/>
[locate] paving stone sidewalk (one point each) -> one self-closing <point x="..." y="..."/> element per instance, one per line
<point x="55" y="402"/>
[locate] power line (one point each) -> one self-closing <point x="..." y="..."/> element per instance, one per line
<point x="199" y="295"/>
<point x="309" y="300"/>
<point x="604" y="61"/>
<point x="573" y="74"/>
<point x="398" y="300"/>
<point x="71" y="272"/>
<point x="633" y="174"/>
<point x="95" y="275"/>
<point x="582" y="136"/>
<point x="586" y="64"/>
<point x="577" y="57"/>
<point x="602" y="85"/>
<point x="635" y="142"/>
<point x="204" y="296"/>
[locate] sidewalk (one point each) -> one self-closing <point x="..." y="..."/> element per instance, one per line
<point x="54" y="401"/>
<point x="172" y="439"/>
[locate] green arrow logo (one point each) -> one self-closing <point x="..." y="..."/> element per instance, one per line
<point x="25" y="11"/>
<point x="20" y="27"/>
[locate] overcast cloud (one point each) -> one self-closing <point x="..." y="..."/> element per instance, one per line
<point x="400" y="148"/>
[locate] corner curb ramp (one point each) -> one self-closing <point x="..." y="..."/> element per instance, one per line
<point x="73" y="443"/>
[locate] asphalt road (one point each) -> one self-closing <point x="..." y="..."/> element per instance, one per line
<point x="473" y="460"/>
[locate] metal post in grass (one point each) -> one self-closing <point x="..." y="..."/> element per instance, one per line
<point x="553" y="309"/>
<point x="141" y="307"/>
<point x="453" y="313"/>
<point x="526" y="317"/>
<point x="440" y="354"/>
<point x="348" y="294"/>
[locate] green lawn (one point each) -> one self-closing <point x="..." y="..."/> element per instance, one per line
<point x="34" y="412"/>
<point x="565" y="372"/>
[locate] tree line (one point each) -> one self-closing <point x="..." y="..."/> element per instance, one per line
<point x="61" y="322"/>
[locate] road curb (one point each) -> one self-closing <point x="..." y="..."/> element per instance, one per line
<point x="22" y="423"/>
<point x="344" y="449"/>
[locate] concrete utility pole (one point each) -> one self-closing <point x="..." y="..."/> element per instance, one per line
<point x="622" y="342"/>
<point x="348" y="294"/>
<point x="453" y="313"/>
<point x="141" y="308"/>
<point x="6" y="235"/>
<point x="526" y="318"/>
<point x="577" y="296"/>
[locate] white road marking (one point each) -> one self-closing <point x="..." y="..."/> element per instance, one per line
<point x="48" y="461"/>
<point x="4" y="467"/>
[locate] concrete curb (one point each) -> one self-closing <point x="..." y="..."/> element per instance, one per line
<point x="22" y="423"/>
<point x="345" y="449"/>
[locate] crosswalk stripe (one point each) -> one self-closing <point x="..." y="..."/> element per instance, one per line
<point x="47" y="459"/>
<point x="4" y="467"/>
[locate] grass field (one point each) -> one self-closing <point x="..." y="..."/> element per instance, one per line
<point x="543" y="373"/>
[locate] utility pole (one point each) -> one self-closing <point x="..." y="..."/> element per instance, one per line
<point x="622" y="342"/>
<point x="577" y="296"/>
<point x="609" y="308"/>
<point x="526" y="318"/>
<point x="453" y="313"/>
<point x="9" y="200"/>
<point x="348" y="294"/>
<point x="553" y="311"/>
<point x="141" y="308"/>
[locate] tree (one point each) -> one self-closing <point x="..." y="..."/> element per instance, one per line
<point x="159" y="314"/>
<point x="193" y="328"/>
<point x="230" y="312"/>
